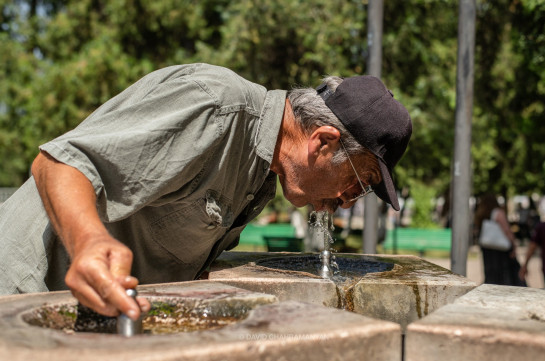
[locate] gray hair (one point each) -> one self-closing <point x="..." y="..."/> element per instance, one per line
<point x="311" y="111"/>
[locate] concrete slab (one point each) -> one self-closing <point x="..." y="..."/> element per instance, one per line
<point x="489" y="323"/>
<point x="270" y="331"/>
<point x="410" y="290"/>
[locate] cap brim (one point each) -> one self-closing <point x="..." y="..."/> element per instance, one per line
<point x="385" y="190"/>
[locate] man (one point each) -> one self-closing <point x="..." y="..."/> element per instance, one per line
<point x="162" y="178"/>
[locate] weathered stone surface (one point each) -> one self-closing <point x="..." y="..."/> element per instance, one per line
<point x="489" y="323"/>
<point x="272" y="331"/>
<point x="411" y="290"/>
<point x="240" y="270"/>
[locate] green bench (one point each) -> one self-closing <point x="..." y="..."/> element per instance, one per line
<point x="275" y="237"/>
<point x="416" y="239"/>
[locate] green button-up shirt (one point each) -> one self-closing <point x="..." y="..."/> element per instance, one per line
<point x="180" y="164"/>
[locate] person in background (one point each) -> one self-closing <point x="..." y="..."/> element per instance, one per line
<point x="528" y="218"/>
<point x="537" y="240"/>
<point x="498" y="265"/>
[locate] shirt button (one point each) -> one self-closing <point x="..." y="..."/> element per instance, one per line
<point x="211" y="226"/>
<point x="250" y="197"/>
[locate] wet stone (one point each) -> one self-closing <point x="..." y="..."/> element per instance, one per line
<point x="168" y="314"/>
<point x="88" y="320"/>
<point x="346" y="266"/>
<point x="394" y="288"/>
<point x="57" y="317"/>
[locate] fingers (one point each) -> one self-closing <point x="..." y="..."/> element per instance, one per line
<point x="98" y="289"/>
<point x="99" y="276"/>
<point x="131" y="282"/>
<point x="114" y="295"/>
<point x="128" y="282"/>
<point x="144" y="304"/>
<point x="88" y="297"/>
<point x="120" y="262"/>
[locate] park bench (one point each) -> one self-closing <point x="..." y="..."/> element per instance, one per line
<point x="277" y="237"/>
<point x="417" y="239"/>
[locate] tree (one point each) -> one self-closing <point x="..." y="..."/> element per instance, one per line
<point x="61" y="59"/>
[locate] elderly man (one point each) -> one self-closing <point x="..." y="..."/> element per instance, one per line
<point x="162" y="178"/>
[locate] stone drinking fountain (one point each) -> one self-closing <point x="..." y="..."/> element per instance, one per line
<point x="401" y="289"/>
<point x="292" y="306"/>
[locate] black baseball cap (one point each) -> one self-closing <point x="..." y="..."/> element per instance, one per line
<point x="376" y="120"/>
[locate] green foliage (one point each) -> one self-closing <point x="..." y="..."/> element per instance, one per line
<point x="282" y="43"/>
<point x="510" y="67"/>
<point x="423" y="197"/>
<point x="61" y="59"/>
<point x="420" y="39"/>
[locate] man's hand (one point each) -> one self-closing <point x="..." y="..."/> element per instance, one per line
<point x="101" y="265"/>
<point x="99" y="275"/>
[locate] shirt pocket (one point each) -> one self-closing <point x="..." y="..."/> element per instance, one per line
<point x="190" y="232"/>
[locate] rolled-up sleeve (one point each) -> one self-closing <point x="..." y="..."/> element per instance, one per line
<point x="146" y="142"/>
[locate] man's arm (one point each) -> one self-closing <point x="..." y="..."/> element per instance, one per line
<point x="100" y="268"/>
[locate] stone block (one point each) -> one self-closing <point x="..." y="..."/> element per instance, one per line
<point x="491" y="322"/>
<point x="411" y="288"/>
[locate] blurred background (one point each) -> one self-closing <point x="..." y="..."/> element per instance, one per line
<point x="61" y="59"/>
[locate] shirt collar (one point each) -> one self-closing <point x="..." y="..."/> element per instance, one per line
<point x="270" y="121"/>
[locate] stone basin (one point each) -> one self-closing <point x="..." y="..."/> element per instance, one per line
<point x="266" y="329"/>
<point x="347" y="267"/>
<point x="397" y="288"/>
<point x="200" y="307"/>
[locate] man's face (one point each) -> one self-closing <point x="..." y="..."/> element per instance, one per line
<point x="305" y="168"/>
<point x="323" y="185"/>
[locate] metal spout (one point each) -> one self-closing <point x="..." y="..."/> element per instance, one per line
<point x="325" y="270"/>
<point x="125" y="325"/>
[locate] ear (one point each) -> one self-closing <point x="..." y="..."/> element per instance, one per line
<point x="323" y="140"/>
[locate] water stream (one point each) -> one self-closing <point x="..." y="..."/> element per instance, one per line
<point x="322" y="225"/>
